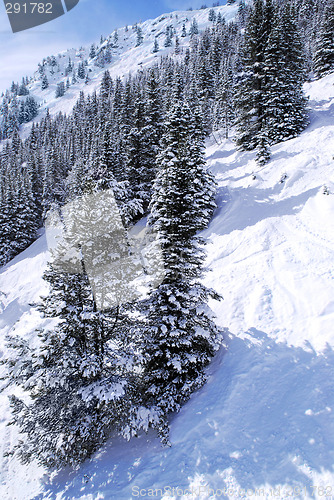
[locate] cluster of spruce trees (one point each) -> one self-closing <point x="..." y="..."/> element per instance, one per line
<point x="126" y="368"/>
<point x="17" y="107"/>
<point x="269" y="97"/>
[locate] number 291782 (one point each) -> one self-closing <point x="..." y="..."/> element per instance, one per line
<point x="29" y="8"/>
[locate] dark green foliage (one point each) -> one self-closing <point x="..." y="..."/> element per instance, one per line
<point x="180" y="335"/>
<point x="45" y="82"/>
<point x="81" y="71"/>
<point x="140" y="38"/>
<point x="155" y="46"/>
<point x="212" y="15"/>
<point x="269" y="98"/>
<point x="285" y="105"/>
<point x="60" y="90"/>
<point x="81" y="372"/>
<point x="324" y="54"/>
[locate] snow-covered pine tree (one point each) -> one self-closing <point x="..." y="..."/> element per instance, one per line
<point x="155" y="46"/>
<point x="141" y="155"/>
<point x="212" y="15"/>
<point x="27" y="218"/>
<point x="250" y="98"/>
<point x="324" y="54"/>
<point x="81" y="71"/>
<point x="193" y="28"/>
<point x="180" y="335"/>
<point x="177" y="46"/>
<point x="107" y="57"/>
<point x="92" y="52"/>
<point x="80" y="378"/>
<point x="139" y="38"/>
<point x="184" y="31"/>
<point x="75" y="379"/>
<point x="8" y="232"/>
<point x="20" y="217"/>
<point x="115" y="39"/>
<point x="106" y="171"/>
<point x="263" y="150"/>
<point x="284" y="107"/>
<point x="168" y="40"/>
<point x="223" y="102"/>
<point x="154" y="107"/>
<point x="269" y="98"/>
<point x="22" y="90"/>
<point x="60" y="89"/>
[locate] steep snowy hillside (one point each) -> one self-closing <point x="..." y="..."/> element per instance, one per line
<point x="125" y="56"/>
<point x="262" y="426"/>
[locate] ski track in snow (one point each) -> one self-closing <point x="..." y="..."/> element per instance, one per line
<point x="264" y="419"/>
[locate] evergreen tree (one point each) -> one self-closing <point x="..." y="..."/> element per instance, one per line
<point x="45" y="82"/>
<point x="92" y="52"/>
<point x="212" y="15"/>
<point x="106" y="85"/>
<point x="107" y="55"/>
<point x="140" y="38"/>
<point x="168" y="40"/>
<point x="60" y="90"/>
<point x="193" y="28"/>
<point x="81" y="71"/>
<point x="263" y="150"/>
<point x="177" y="46"/>
<point x="224" y="111"/>
<point x="284" y="109"/>
<point x="115" y="38"/>
<point x="250" y="93"/>
<point x="180" y="335"/>
<point x="141" y="156"/>
<point x="69" y="67"/>
<point x="85" y="358"/>
<point x="269" y="98"/>
<point x="154" y="108"/>
<point x="324" y="54"/>
<point x="155" y="46"/>
<point x="22" y="90"/>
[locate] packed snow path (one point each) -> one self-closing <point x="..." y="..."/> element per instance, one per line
<point x="262" y="427"/>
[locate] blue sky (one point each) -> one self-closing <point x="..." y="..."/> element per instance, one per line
<point x="20" y="52"/>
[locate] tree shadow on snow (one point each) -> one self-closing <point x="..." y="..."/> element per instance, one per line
<point x="263" y="418"/>
<point x="243" y="208"/>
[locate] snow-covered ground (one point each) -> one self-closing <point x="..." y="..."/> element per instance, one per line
<point x="262" y="427"/>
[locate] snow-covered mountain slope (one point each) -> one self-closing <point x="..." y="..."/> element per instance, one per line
<point x="126" y="57"/>
<point x="262" y="426"/>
